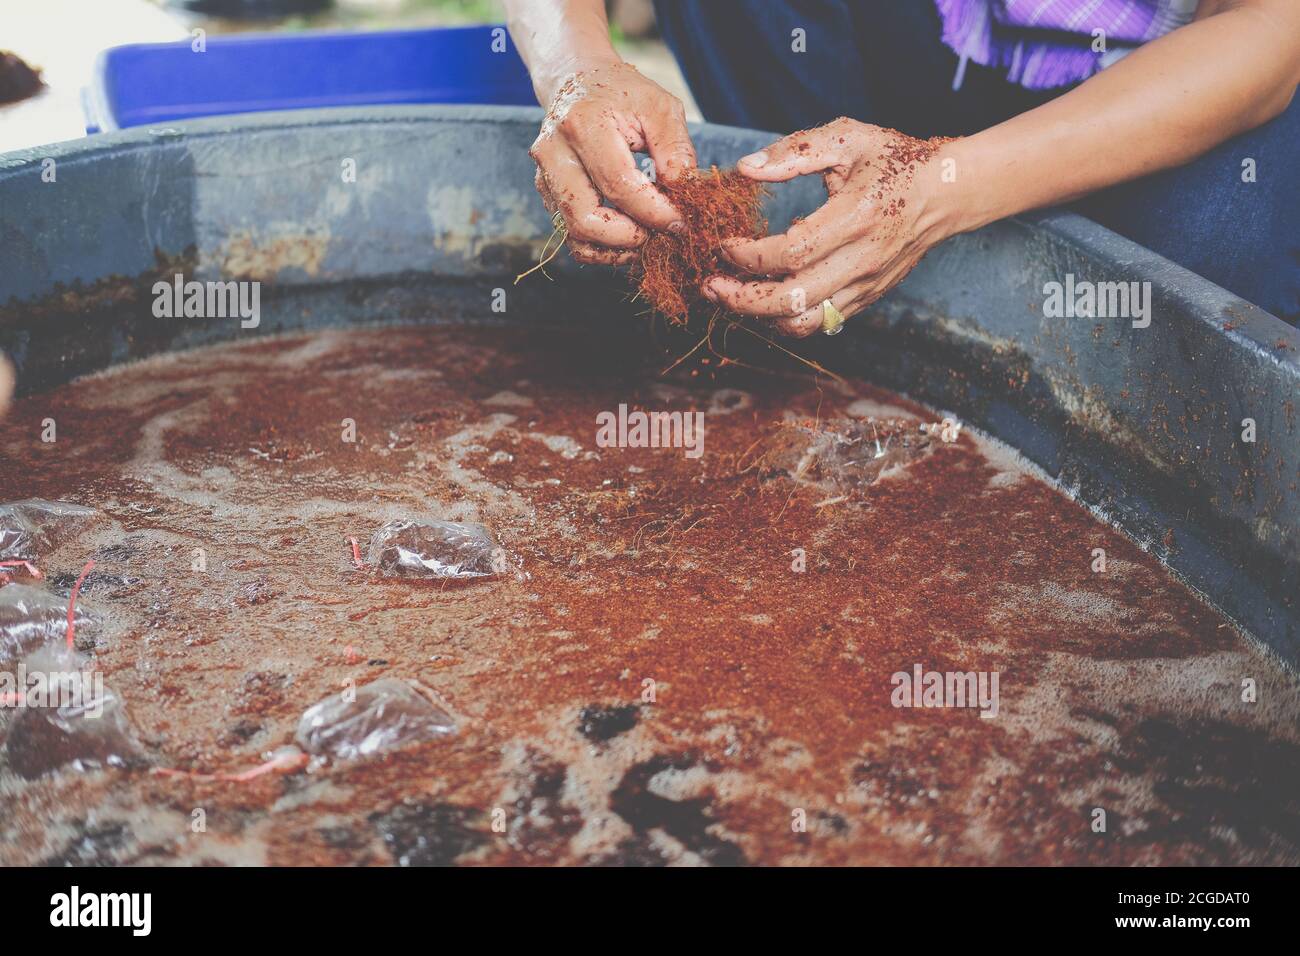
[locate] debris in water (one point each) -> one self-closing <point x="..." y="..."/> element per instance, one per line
<point x="32" y="528"/>
<point x="844" y="454"/>
<point x="437" y="549"/>
<point x="90" y="730"/>
<point x="599" y="723"/>
<point x="429" y="835"/>
<point x="31" y="616"/>
<point x="380" y="716"/>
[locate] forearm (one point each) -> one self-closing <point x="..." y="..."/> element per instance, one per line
<point x="557" y="38"/>
<point x="1161" y="106"/>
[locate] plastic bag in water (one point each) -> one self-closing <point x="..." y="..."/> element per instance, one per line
<point x="68" y="718"/>
<point x="437" y="549"/>
<point x="31" y="529"/>
<point x="31" y="616"/>
<point x="844" y="454"/>
<point x="385" y="715"/>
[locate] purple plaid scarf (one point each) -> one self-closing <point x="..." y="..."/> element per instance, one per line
<point x="1048" y="43"/>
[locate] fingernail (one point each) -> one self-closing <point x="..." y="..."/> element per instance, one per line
<point x="755" y="159"/>
<point x="710" y="293"/>
<point x="676" y="226"/>
<point x="672" y="169"/>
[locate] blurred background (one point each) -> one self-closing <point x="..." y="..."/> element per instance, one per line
<point x="54" y="43"/>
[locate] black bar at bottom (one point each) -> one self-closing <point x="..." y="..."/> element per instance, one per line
<point x="333" y="906"/>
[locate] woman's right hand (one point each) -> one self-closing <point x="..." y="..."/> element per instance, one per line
<point x="597" y="118"/>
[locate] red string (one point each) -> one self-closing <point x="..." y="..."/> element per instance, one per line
<point x="31" y="569"/>
<point x="285" y="763"/>
<point x="72" y="600"/>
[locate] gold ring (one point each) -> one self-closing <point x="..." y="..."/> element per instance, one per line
<point x="832" y="318"/>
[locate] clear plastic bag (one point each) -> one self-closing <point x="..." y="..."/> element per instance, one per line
<point x="70" y="719"/>
<point x="385" y="715"/>
<point x="31" y="618"/>
<point x="437" y="549"/>
<point x="31" y="529"/>
<point x="844" y="454"/>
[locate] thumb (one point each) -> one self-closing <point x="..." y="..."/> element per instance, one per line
<point x="799" y="154"/>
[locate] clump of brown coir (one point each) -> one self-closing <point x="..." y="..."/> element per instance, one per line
<point x="715" y="205"/>
<point x="17" y="80"/>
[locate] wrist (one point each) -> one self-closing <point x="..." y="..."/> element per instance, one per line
<point x="970" y="199"/>
<point x="548" y="78"/>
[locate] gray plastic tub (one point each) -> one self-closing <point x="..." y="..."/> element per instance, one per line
<point x="1144" y="423"/>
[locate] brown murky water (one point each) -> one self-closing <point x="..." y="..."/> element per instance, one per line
<point x="653" y="680"/>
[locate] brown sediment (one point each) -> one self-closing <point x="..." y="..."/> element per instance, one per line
<point x="897" y="164"/>
<point x="715" y="205"/>
<point x="904" y="152"/>
<point x="17" y="80"/>
<point x="78" y="297"/>
<point x="770" y="687"/>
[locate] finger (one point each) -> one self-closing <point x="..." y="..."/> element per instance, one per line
<point x="850" y="300"/>
<point x="768" y="299"/>
<point x="539" y="183"/>
<point x="565" y="186"/>
<point x="803" y="153"/>
<point x="612" y="169"/>
<point x="668" y="141"/>
<point x="791" y="296"/>
<point x="591" y="254"/>
<point x="812" y="320"/>
<point x="842" y="219"/>
<point x="870" y="290"/>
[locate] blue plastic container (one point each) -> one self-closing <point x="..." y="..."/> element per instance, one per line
<point x="146" y="83"/>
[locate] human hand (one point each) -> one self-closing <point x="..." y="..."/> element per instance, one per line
<point x="596" y="119"/>
<point x="884" y="211"/>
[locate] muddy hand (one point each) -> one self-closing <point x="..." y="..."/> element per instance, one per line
<point x="883" y="213"/>
<point x="584" y="154"/>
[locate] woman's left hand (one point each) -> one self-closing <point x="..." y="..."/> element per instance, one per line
<point x="885" y="210"/>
